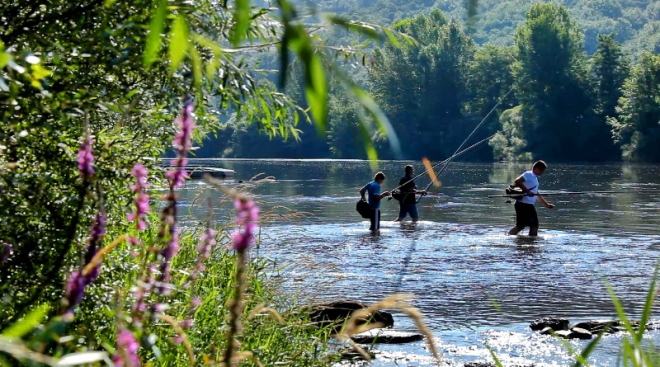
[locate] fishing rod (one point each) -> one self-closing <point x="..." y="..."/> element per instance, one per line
<point x="574" y="193"/>
<point x="466" y="150"/>
<point x="450" y="159"/>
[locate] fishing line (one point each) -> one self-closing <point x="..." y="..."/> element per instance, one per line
<point x="471" y="134"/>
<point x="458" y="151"/>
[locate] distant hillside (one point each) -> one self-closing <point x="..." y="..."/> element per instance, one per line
<point x="636" y="23"/>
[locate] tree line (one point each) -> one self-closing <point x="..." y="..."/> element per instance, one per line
<point x="556" y="101"/>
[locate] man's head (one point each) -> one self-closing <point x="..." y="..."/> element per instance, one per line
<point x="380" y="177"/>
<point x="409" y="170"/>
<point x="539" y="167"/>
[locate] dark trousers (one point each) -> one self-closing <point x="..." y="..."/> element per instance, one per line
<point x="375" y="220"/>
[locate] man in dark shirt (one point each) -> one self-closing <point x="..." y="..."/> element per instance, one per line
<point x="408" y="189"/>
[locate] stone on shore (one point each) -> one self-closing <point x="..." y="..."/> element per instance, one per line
<point x="386" y="336"/>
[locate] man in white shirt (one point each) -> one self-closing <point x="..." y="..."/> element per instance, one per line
<point x="525" y="211"/>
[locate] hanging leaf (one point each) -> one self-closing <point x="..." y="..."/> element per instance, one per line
<point x="316" y="90"/>
<point x="156" y="28"/>
<point x="196" y="69"/>
<point x="241" y="22"/>
<point x="27" y="324"/>
<point x="178" y="42"/>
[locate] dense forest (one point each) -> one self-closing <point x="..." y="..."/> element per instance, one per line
<point x="577" y="81"/>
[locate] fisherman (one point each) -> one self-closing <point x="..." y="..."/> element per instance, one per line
<point x="408" y="189"/>
<point x="525" y="211"/>
<point x="373" y="189"/>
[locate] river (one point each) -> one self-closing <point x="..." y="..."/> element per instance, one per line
<point x="474" y="285"/>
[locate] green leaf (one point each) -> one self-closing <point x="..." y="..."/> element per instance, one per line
<point x="27" y="324"/>
<point x="316" y="89"/>
<point x="4" y="59"/>
<point x="178" y="42"/>
<point x="197" y="69"/>
<point x="241" y="22"/>
<point x="156" y="28"/>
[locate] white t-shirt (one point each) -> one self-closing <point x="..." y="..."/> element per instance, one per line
<point x="532" y="184"/>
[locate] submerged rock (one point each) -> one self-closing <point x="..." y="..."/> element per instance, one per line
<point x="479" y="364"/>
<point x="386" y="336"/>
<point x="554" y="323"/>
<point x="338" y="312"/>
<point x="350" y="354"/>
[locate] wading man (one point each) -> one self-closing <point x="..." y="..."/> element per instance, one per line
<point x="374" y="198"/>
<point x="525" y="211"/>
<point x="407" y="202"/>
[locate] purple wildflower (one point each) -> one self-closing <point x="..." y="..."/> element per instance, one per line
<point x="246" y="218"/>
<point x="168" y="253"/>
<point x="95" y="238"/>
<point x="86" y="158"/>
<point x="79" y="280"/>
<point x="204" y="249"/>
<point x="6" y="250"/>
<point x="127" y="348"/>
<point x="74" y="292"/>
<point x="182" y="144"/>
<point x="142" y="199"/>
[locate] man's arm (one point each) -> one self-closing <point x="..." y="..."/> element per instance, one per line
<point x="363" y="191"/>
<point x="545" y="202"/>
<point x="520" y="182"/>
<point x="380" y="196"/>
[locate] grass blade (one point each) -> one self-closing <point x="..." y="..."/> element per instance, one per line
<point x="646" y="314"/>
<point x="27" y="324"/>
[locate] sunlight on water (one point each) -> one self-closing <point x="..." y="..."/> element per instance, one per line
<point x="474" y="284"/>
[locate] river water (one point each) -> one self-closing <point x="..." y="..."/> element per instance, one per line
<point x="474" y="285"/>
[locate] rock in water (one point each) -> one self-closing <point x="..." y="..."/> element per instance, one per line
<point x="479" y="364"/>
<point x="579" y="333"/>
<point x="386" y="336"/>
<point x="566" y="334"/>
<point x="336" y="313"/>
<point x="597" y="326"/>
<point x="552" y="322"/>
<point x="547" y="331"/>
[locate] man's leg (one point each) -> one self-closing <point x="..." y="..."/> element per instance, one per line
<point x="534" y="222"/>
<point x="520" y="219"/>
<point x="377" y="219"/>
<point x="372" y="219"/>
<point x="413" y="212"/>
<point x="402" y="213"/>
<point x="533" y="231"/>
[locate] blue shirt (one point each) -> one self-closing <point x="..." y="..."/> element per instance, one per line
<point x="373" y="189"/>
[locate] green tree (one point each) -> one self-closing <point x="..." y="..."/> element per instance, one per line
<point x="637" y="128"/>
<point x="423" y="87"/>
<point x="610" y="69"/>
<point x="552" y="85"/>
<point x="490" y="80"/>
